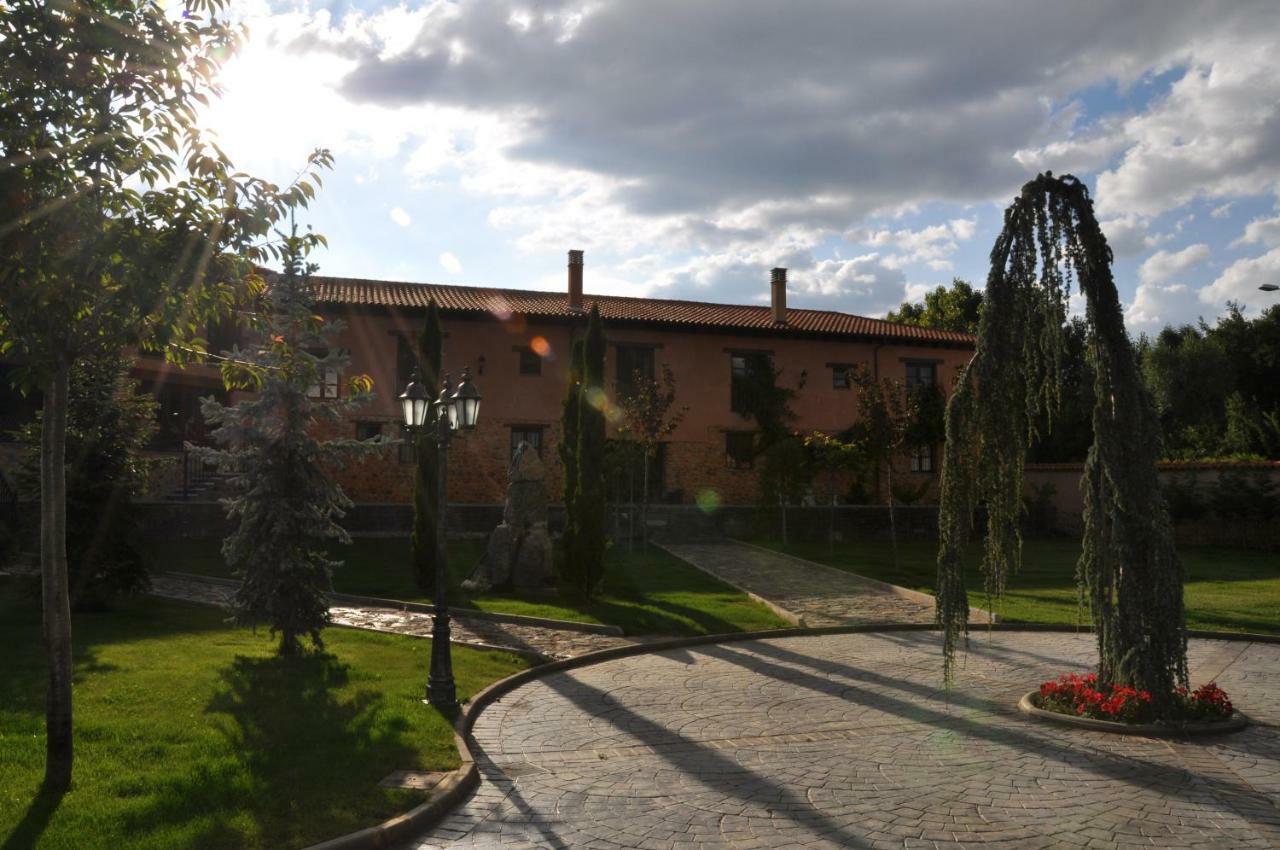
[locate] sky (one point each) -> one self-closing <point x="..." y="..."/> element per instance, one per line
<point x="688" y="148"/>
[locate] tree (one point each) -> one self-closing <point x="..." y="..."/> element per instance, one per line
<point x="1128" y="570"/>
<point x="589" y="498"/>
<point x="649" y="415"/>
<point x="835" y="454"/>
<point x="426" y="471"/>
<point x="121" y="226"/>
<point x="956" y="309"/>
<point x="1065" y="437"/>
<point x="572" y="562"/>
<point x="286" y="504"/>
<point x="1190" y="378"/>
<point x="109" y="424"/>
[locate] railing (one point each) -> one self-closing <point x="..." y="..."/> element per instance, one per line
<point x="196" y="472"/>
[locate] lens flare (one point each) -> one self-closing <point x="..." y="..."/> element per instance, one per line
<point x="540" y="346"/>
<point x="708" y="501"/>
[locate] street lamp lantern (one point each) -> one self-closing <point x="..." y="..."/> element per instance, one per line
<point x="415" y="401"/>
<point x="466" y="404"/>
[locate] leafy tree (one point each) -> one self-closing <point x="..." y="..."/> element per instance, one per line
<point x="1189" y="377"/>
<point x="572" y="562"/>
<point x="956" y="309"/>
<point x="121" y="226"/>
<point x="1129" y="570"/>
<point x="649" y="415"/>
<point x="286" y="504"/>
<point x="836" y="454"/>
<point x="589" y="497"/>
<point x="426" y="472"/>
<point x="109" y="423"/>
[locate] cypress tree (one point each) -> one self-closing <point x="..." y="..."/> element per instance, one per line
<point x="1129" y="571"/>
<point x="569" y="463"/>
<point x="426" y="494"/>
<point x="590" y="508"/>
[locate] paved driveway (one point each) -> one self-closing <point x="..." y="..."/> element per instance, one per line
<point x="849" y="741"/>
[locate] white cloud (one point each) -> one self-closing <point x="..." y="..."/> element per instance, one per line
<point x="1222" y="211"/>
<point x="1162" y="267"/>
<point x="400" y="217"/>
<point x="1156" y="305"/>
<point x="1240" y="282"/>
<point x="450" y="263"/>
<point x="1263" y="231"/>
<point x="931" y="245"/>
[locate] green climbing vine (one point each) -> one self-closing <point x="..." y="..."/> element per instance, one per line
<point x="1129" y="573"/>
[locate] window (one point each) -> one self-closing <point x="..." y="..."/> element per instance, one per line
<point x="921" y="375"/>
<point x="531" y="434"/>
<point x="743" y="366"/>
<point x="368" y="430"/>
<point x="530" y="361"/>
<point x="406" y="363"/>
<point x="739" y="449"/>
<point x="922" y="459"/>
<point x="633" y="360"/>
<point x="327" y="386"/>
<point x="839" y="376"/>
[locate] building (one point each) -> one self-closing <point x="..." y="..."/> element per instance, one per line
<point x="516" y="343"/>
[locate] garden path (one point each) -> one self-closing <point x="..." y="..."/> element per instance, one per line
<point x="851" y="741"/>
<point x="812" y="594"/>
<point x="531" y="640"/>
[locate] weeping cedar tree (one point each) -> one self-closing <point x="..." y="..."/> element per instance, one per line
<point x="569" y="462"/>
<point x="589" y="497"/>
<point x="1128" y="571"/>
<point x="119" y="226"/>
<point x="109" y="423"/>
<point x="426" y="494"/>
<point x="286" y="505"/>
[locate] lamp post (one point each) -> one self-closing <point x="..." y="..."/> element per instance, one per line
<point x="454" y="410"/>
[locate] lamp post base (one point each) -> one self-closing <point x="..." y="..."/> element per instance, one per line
<point x="441" y="691"/>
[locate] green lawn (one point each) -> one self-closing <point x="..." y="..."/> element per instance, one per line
<point x="644" y="593"/>
<point x="1226" y="589"/>
<point x="190" y="733"/>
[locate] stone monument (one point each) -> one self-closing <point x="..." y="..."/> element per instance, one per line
<point x="518" y="553"/>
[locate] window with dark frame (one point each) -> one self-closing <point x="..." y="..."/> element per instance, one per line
<point x="530" y="361"/>
<point x="921" y="375"/>
<point x="406" y="363"/>
<point x="368" y="430"/>
<point x="840" y="376"/>
<point x="531" y="434"/>
<point x="739" y="449"/>
<point x="741" y="367"/>
<point x="633" y="360"/>
<point x="327" y="386"/>
<point x="922" y="459"/>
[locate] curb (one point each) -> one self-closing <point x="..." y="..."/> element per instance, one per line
<point x="416" y="820"/>
<point x="1235" y="723"/>
<point x="895" y="589"/>
<point x="424" y="608"/>
<point x="790" y="616"/>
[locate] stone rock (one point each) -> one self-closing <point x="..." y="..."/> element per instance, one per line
<point x="519" y="549"/>
<point x="532" y="560"/>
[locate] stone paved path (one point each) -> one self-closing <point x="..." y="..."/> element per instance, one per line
<point x="550" y="643"/>
<point x="849" y="742"/>
<point x="818" y="595"/>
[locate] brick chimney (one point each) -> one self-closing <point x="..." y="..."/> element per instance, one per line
<point x="575" y="280"/>
<point x="778" y="285"/>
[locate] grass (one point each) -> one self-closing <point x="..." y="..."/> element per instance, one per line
<point x="190" y="733"/>
<point x="644" y="593"/>
<point x="1226" y="589"/>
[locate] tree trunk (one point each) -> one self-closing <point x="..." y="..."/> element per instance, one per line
<point x="53" y="570"/>
<point x="893" y="528"/>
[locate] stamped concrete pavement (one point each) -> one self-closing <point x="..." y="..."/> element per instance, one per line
<point x="850" y="741"/>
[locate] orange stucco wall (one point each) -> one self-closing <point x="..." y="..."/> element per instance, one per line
<point x="699" y="360"/>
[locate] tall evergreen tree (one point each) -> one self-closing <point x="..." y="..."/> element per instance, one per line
<point x="286" y="504"/>
<point x="426" y="473"/>
<point x="589" y="500"/>
<point x="572" y="562"/>
<point x="1129" y="570"/>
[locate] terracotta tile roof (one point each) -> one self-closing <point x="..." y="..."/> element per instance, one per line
<point x="690" y="314"/>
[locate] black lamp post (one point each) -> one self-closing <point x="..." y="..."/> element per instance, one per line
<point x="454" y="410"/>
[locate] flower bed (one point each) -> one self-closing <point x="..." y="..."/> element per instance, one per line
<point x="1085" y="701"/>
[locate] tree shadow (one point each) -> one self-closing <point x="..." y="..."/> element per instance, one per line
<point x="28" y="831"/>
<point x="292" y="741"/>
